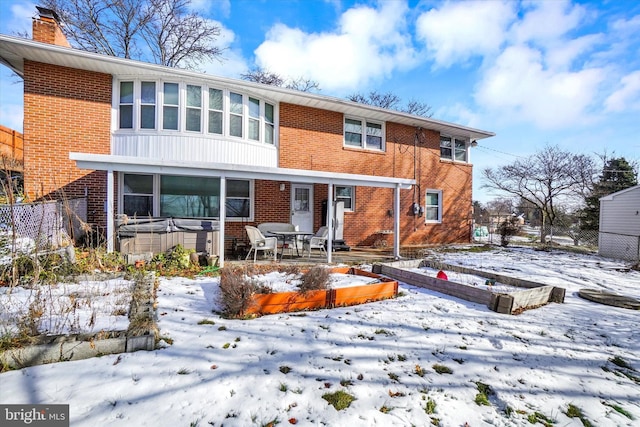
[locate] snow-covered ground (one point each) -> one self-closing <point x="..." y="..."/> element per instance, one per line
<point x="387" y="355"/>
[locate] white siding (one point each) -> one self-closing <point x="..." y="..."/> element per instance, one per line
<point x="195" y="148"/>
<point x="620" y="225"/>
<point x="621" y="213"/>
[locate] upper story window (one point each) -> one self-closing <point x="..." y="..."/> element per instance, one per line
<point x="182" y="107"/>
<point x="148" y="105"/>
<point x="453" y="149"/>
<point x="194" y="108"/>
<point x="363" y="134"/>
<point x="236" y="111"/>
<point x="171" y="106"/>
<point x="126" y="105"/>
<point x="216" y="107"/>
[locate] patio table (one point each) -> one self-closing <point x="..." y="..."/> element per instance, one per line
<point x="291" y="236"/>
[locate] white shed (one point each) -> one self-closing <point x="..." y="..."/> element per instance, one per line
<point x="620" y="225"/>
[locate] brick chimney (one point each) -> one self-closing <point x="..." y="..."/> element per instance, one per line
<point x="46" y="28"/>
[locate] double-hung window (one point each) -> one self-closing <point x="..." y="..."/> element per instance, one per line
<point x="433" y="206"/>
<point x="126" y="105"/>
<point x="148" y="105"/>
<point x="254" y="119"/>
<point x="345" y="194"/>
<point x="137" y="195"/>
<point x="216" y="107"/>
<point x="236" y="114"/>
<point x="363" y="134"/>
<point x="171" y="105"/>
<point x="269" y="124"/>
<point x="194" y="108"/>
<point x="453" y="149"/>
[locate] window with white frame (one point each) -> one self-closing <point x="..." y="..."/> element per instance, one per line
<point x="346" y="194"/>
<point x="137" y="195"/>
<point x="269" y="124"/>
<point x="453" y="149"/>
<point x="126" y="105"/>
<point x="363" y="134"/>
<point x="171" y="106"/>
<point x="433" y="206"/>
<point x="195" y="108"/>
<point x="147" y="105"/>
<point x="216" y="113"/>
<point x="184" y="196"/>
<point x="236" y="114"/>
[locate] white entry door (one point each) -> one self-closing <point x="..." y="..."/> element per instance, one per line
<point x="302" y="206"/>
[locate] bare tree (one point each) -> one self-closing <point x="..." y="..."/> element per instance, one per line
<point x="546" y="180"/>
<point x="260" y="75"/>
<point x="391" y="101"/>
<point x="160" y="31"/>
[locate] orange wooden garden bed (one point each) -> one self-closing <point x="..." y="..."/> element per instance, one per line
<point x="284" y="302"/>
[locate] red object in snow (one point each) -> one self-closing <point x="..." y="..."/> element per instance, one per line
<point x="442" y="275"/>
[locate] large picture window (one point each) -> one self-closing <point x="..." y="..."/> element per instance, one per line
<point x="363" y="134"/>
<point x="184" y="197"/>
<point x="189" y="197"/>
<point x="433" y="206"/>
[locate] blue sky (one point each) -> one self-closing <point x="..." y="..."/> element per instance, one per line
<point x="556" y="72"/>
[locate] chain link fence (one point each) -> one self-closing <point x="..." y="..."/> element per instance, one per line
<point x="562" y="233"/>
<point x="43" y="225"/>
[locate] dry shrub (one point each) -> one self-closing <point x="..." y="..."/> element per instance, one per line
<point x="237" y="285"/>
<point x="316" y="278"/>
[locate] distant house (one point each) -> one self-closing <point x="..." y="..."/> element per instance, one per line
<point x="619" y="235"/>
<point x="144" y="140"/>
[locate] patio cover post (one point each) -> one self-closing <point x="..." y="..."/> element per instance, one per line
<point x="222" y="216"/>
<point x="111" y="235"/>
<point x="396" y="222"/>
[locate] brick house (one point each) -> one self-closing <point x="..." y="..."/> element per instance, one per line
<point x="144" y="140"/>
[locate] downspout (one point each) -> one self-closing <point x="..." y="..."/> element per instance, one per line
<point x="396" y="223"/>
<point x="330" y="223"/>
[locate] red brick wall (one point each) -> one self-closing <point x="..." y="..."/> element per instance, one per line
<point x="313" y="139"/>
<point x="65" y="110"/>
<point x="46" y="30"/>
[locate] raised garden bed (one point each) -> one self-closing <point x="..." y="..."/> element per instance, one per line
<point x="284" y="302"/>
<point x="140" y="335"/>
<point x="528" y="295"/>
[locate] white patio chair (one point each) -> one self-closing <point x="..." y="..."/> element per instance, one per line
<point x="261" y="243"/>
<point x="317" y="241"/>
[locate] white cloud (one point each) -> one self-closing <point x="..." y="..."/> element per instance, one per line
<point x="519" y="88"/>
<point x="231" y="63"/>
<point x="21" y="14"/>
<point x="367" y="45"/>
<point x="547" y="21"/>
<point x="627" y="97"/>
<point x="460" y="30"/>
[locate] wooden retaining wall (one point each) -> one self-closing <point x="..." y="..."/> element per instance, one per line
<point x="533" y="294"/>
<point x="284" y="302"/>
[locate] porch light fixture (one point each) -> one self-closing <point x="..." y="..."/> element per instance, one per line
<point x="474" y="143"/>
